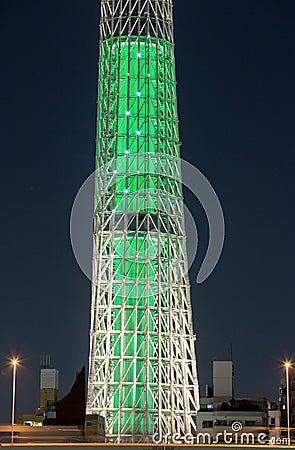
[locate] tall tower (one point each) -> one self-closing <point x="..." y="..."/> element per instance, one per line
<point x="142" y="364"/>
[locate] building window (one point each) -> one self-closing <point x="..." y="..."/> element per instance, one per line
<point x="207" y="424"/>
<point x="272" y="422"/>
<point x="221" y="423"/>
<point x="206" y="407"/>
<point x="250" y="423"/>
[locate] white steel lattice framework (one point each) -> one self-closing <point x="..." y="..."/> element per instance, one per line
<point x="142" y="364"/>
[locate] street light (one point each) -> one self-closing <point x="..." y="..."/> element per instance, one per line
<point x="14" y="363"/>
<point x="288" y="366"/>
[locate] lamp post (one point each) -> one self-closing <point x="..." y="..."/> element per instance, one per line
<point x="287" y="368"/>
<point x="14" y="363"/>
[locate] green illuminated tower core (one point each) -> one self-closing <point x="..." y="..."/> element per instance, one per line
<point x="142" y="364"/>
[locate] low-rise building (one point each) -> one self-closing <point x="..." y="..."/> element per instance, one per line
<point x="223" y="416"/>
<point x="95" y="428"/>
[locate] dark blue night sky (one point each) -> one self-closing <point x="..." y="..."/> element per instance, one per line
<point x="235" y="71"/>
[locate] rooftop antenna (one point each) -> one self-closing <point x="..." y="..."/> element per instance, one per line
<point x="45" y="361"/>
<point x="231" y="358"/>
